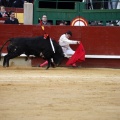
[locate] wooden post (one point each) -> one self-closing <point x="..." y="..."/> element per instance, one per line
<point x="28" y="13"/>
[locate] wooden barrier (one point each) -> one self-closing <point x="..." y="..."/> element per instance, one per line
<point x="102" y="44"/>
<point x="2" y="20"/>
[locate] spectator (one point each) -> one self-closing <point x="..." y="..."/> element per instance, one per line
<point x="89" y="4"/>
<point x="18" y="3"/>
<point x="3" y="2"/>
<point x="118" y="6"/>
<point x="62" y="23"/>
<point x="44" y="20"/>
<point x="12" y="19"/>
<point x="10" y="3"/>
<point x="112" y="4"/>
<point x="105" y="3"/>
<point x="30" y="1"/>
<point x="3" y="12"/>
<point x="97" y="4"/>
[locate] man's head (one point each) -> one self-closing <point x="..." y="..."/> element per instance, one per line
<point x="68" y="34"/>
<point x="12" y="14"/>
<point x="2" y="9"/>
<point x="44" y="18"/>
<point x="62" y="23"/>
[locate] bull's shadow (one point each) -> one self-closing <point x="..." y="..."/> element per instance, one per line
<point x="38" y="46"/>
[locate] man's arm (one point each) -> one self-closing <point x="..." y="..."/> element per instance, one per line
<point x="70" y="41"/>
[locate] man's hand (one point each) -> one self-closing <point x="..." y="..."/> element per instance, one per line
<point x="78" y="42"/>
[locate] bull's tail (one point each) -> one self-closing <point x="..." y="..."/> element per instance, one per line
<point x="3" y="47"/>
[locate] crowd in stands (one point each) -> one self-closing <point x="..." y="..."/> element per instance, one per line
<point x="103" y="4"/>
<point x="3" y="12"/>
<point x="91" y="4"/>
<point x="14" y="3"/>
<point x="44" y="21"/>
<point x="10" y="17"/>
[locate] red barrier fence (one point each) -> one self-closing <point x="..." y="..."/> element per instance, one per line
<point x="101" y="44"/>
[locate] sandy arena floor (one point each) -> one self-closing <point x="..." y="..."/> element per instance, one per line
<point x="29" y="93"/>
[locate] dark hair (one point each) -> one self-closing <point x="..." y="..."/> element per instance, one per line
<point x="62" y="22"/>
<point x="11" y="12"/>
<point x="69" y="32"/>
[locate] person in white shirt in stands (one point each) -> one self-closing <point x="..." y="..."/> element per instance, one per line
<point x="65" y="42"/>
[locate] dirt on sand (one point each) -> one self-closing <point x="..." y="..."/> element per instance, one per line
<point x="29" y="93"/>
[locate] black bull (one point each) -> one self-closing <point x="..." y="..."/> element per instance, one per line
<point x="37" y="46"/>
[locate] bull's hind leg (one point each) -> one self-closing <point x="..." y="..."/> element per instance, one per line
<point x="4" y="61"/>
<point x="8" y="57"/>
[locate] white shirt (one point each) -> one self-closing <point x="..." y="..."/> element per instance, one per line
<point x="64" y="43"/>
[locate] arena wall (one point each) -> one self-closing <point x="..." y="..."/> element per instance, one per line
<point x="102" y="44"/>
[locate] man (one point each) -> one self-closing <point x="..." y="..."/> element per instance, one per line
<point x="62" y="23"/>
<point x="3" y="12"/>
<point x="44" y="20"/>
<point x="112" y="4"/>
<point x="12" y="19"/>
<point x="18" y="3"/>
<point x="65" y="42"/>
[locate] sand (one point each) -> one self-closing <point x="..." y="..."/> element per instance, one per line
<point x="31" y="93"/>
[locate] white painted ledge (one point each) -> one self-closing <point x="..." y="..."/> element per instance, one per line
<point x="22" y="55"/>
<point x="103" y="56"/>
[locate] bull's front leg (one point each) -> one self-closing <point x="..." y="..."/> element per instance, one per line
<point x="52" y="63"/>
<point x="49" y="62"/>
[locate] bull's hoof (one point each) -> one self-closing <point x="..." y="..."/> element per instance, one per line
<point x="38" y="65"/>
<point x="53" y="65"/>
<point x="47" y="68"/>
<point x="5" y="66"/>
<point x="26" y="59"/>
